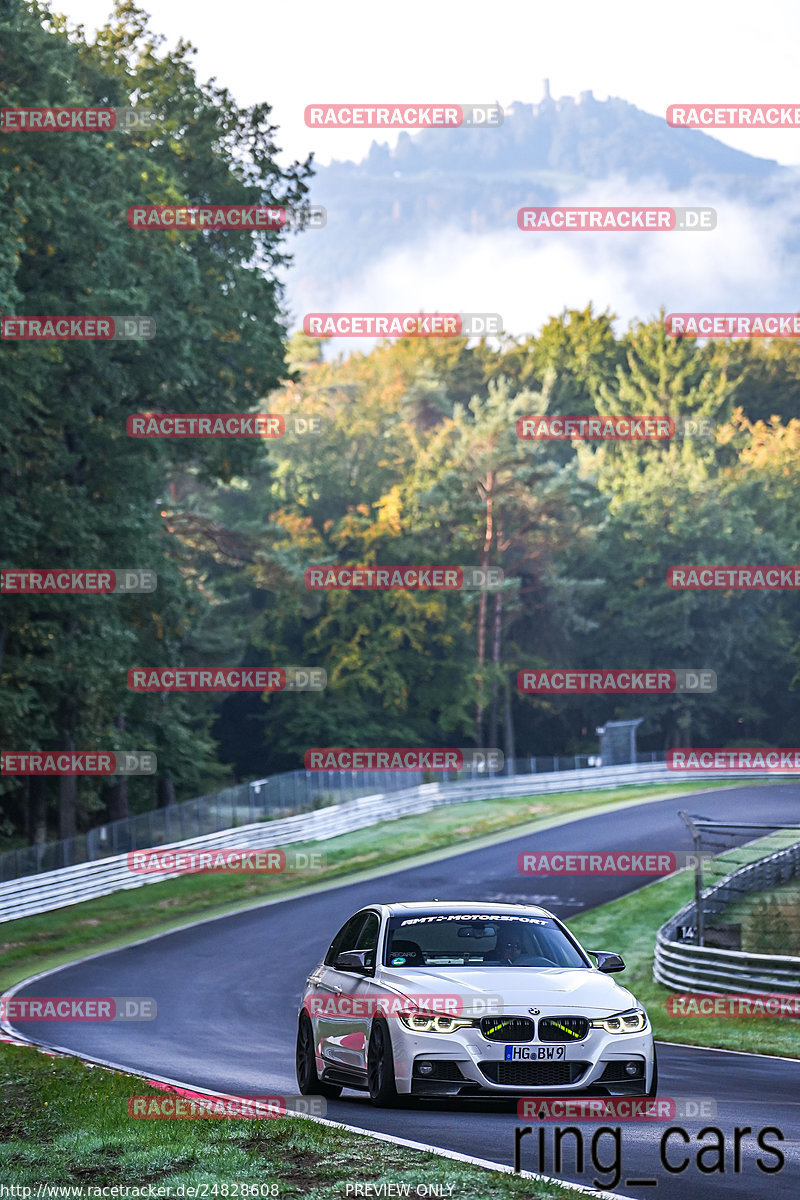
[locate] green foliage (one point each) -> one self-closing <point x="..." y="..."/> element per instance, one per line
<point x="418" y="463"/>
<point x="74" y="489"/>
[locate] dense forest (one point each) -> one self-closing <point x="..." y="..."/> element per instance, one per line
<point x="416" y="461"/>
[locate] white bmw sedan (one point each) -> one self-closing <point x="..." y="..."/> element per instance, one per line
<point x="471" y="999"/>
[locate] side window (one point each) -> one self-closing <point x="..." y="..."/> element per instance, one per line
<point x="345" y="938"/>
<point x="368" y="938"/>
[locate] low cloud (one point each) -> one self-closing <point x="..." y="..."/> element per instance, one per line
<point x="748" y="263"/>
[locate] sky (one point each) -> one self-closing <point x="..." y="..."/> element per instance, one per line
<point x="367" y="51"/>
<point x="713" y="51"/>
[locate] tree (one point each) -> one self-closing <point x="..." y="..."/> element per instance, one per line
<point x="74" y="489"/>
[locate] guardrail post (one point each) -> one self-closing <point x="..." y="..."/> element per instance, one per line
<point x="697" y="838"/>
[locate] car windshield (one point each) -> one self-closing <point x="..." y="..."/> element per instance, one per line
<point x="447" y="940"/>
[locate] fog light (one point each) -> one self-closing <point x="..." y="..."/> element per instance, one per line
<point x="425" y="1068"/>
<point x="631" y="1068"/>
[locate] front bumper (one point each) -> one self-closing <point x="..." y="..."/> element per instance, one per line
<point x="465" y="1063"/>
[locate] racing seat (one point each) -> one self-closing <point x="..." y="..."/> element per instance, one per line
<point x="410" y="951"/>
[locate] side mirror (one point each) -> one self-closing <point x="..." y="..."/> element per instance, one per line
<point x="608" y="962"/>
<point x="353" y="960"/>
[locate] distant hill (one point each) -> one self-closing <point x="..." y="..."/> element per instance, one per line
<point x="584" y="138"/>
<point x="474" y="180"/>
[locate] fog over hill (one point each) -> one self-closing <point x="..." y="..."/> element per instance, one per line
<point x="431" y="223"/>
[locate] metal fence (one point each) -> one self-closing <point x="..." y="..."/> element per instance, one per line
<point x="85" y="881"/>
<point x="683" y="964"/>
<point x="244" y="804"/>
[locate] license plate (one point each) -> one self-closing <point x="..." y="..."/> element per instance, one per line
<point x="536" y="1053"/>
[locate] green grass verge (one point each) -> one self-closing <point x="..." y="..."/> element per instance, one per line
<point x="67" y="1124"/>
<point x="629" y="925"/>
<point x="33" y="944"/>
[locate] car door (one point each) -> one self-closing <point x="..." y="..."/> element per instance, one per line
<point x="339" y="1032"/>
<point x="363" y="992"/>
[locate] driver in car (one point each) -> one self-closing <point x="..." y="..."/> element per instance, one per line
<point x="508" y="949"/>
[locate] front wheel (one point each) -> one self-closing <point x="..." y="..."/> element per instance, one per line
<point x="380" y="1066"/>
<point x="308" y="1080"/>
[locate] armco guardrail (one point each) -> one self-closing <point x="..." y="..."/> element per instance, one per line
<point x="288" y="792"/>
<point x="690" y="968"/>
<point x="291" y="791"/>
<point x="85" y="881"/>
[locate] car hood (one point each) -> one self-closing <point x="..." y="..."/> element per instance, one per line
<point x="554" y="988"/>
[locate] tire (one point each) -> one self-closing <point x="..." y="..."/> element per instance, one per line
<point x="380" y="1066"/>
<point x="654" y="1085"/>
<point x="308" y="1080"/>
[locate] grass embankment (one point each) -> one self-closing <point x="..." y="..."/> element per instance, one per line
<point x="66" y="1124"/>
<point x="769" y="919"/>
<point x="33" y="944"/>
<point x="630" y="925"/>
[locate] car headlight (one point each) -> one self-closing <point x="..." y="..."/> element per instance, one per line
<point x="632" y="1021"/>
<point x="419" y="1023"/>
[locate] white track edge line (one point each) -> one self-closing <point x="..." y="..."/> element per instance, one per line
<point x="441" y="1151"/>
<point x="725" y="1050"/>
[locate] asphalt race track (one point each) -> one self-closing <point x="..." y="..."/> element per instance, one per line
<point x="228" y="992"/>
